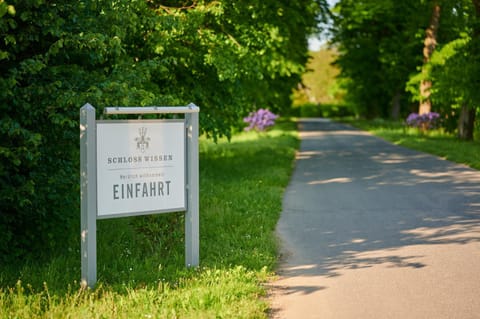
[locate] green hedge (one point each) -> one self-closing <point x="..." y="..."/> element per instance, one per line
<point x="322" y="110"/>
<point x="227" y="57"/>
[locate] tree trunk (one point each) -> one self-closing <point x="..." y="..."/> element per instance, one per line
<point x="396" y="105"/>
<point x="429" y="45"/>
<point x="476" y="5"/>
<point x="466" y="123"/>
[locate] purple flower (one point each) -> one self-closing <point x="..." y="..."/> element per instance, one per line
<point x="425" y="121"/>
<point x="260" y="120"/>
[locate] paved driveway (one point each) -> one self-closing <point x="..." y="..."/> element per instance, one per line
<point x="372" y="230"/>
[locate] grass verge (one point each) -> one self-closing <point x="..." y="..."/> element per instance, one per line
<point x="437" y="142"/>
<point x="141" y="259"/>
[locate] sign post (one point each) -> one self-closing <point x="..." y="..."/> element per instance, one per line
<point x="88" y="196"/>
<point x="138" y="167"/>
<point x="192" y="235"/>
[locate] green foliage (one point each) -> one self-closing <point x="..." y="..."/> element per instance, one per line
<point x="213" y="293"/>
<point x="140" y="259"/>
<point x="227" y="57"/>
<point x="245" y="201"/>
<point x="320" y="84"/>
<point x="321" y="110"/>
<point x="380" y="45"/>
<point x="378" y="48"/>
<point x="155" y="233"/>
<point x="453" y="68"/>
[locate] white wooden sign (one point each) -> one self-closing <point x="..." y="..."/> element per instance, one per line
<point x="140" y="167"/>
<point x="137" y="167"/>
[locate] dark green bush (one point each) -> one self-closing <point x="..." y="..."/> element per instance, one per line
<point x="56" y="56"/>
<point x="322" y="110"/>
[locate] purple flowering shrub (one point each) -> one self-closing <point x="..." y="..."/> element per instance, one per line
<point x="425" y="121"/>
<point x="260" y="120"/>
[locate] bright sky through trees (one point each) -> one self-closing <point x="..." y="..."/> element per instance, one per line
<point x="315" y="42"/>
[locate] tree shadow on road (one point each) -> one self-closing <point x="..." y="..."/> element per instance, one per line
<point x="356" y="201"/>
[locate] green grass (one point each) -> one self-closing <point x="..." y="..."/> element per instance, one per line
<point x="140" y="266"/>
<point x="437" y="142"/>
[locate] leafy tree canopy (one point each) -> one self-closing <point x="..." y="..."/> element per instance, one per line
<point x="228" y="57"/>
<point x="380" y="45"/>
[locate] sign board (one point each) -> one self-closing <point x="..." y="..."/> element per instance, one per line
<point x="137" y="167"/>
<point x="140" y="167"/>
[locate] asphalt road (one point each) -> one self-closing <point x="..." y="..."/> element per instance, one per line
<point x="373" y="230"/>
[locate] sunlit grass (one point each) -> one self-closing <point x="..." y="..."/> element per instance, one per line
<point x="437" y="142"/>
<point x="141" y="272"/>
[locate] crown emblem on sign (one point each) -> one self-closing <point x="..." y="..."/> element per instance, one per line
<point x="142" y="140"/>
